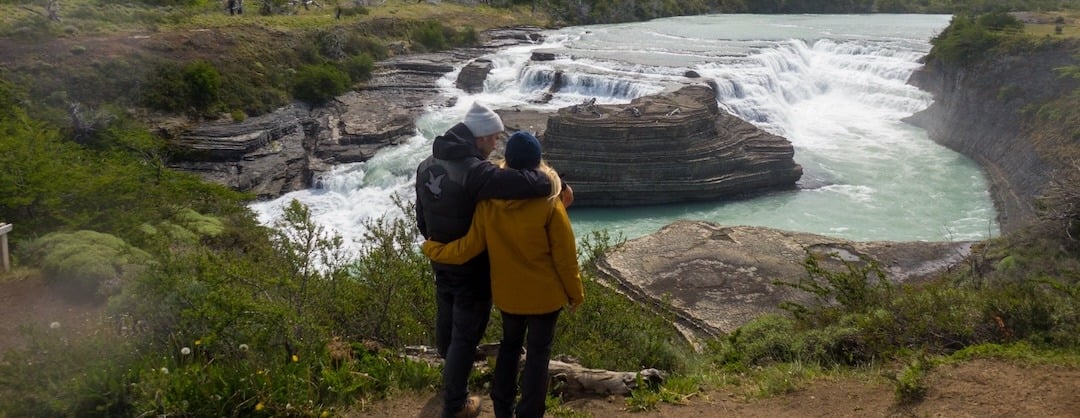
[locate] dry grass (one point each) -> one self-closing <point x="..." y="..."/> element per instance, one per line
<point x="85" y="17"/>
<point x="1045" y="25"/>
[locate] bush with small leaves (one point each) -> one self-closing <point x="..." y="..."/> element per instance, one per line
<point x="318" y="83"/>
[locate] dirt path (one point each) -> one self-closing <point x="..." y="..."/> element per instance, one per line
<point x="30" y="301"/>
<point x="980" y="388"/>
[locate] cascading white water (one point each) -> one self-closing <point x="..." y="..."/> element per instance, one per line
<point x="835" y="86"/>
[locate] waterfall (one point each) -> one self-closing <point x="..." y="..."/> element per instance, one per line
<point x="835" y="86"/>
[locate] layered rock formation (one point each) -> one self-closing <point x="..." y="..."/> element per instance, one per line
<point x="715" y="278"/>
<point x="672" y="147"/>
<point x="978" y="112"/>
<point x="288" y="149"/>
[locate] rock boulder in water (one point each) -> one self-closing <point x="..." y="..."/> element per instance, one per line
<point x="666" y="148"/>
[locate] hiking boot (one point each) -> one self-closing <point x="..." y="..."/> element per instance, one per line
<point x="471" y="408"/>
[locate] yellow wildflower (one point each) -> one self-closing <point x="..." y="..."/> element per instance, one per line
<point x="295" y="358"/>
<point x="259" y="406"/>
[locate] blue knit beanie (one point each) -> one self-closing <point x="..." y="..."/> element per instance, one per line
<point x="522" y="151"/>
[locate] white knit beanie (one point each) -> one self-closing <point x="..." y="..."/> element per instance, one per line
<point x="482" y="121"/>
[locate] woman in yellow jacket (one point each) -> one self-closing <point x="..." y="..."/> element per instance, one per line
<point x="534" y="274"/>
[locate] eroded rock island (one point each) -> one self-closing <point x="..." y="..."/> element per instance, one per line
<point x="667" y="148"/>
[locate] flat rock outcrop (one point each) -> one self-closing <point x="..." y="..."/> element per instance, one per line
<point x="264" y="154"/>
<point x="672" y="147"/>
<point x="717" y="278"/>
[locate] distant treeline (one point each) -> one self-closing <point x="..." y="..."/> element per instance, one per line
<point x="614" y="11"/>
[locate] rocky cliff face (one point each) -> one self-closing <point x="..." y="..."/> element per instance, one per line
<point x="979" y="112"/>
<point x="288" y="149"/>
<point x="672" y="147"/>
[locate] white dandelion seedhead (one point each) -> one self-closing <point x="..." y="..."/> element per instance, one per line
<point x="185" y="351"/>
<point x="54" y="325"/>
<point x="164" y="370"/>
<point x="243" y="347"/>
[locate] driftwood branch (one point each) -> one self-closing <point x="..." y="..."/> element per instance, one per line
<point x="567" y="378"/>
<point x="577" y="381"/>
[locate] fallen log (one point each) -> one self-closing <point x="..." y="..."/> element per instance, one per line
<point x="577" y="381"/>
<point x="568" y="379"/>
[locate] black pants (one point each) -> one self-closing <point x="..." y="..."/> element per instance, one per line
<point x="534" y="376"/>
<point x="460" y="323"/>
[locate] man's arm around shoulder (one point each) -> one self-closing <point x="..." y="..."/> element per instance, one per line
<point x="488" y="181"/>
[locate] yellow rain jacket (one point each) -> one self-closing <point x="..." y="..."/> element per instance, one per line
<point x="531" y="247"/>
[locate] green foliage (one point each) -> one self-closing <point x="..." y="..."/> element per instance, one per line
<point x="556" y="408"/>
<point x="89" y="261"/>
<point x="193" y="87"/>
<point x="40" y="169"/>
<point x="597" y="334"/>
<point x="781" y="379"/>
<point x="203" y="84"/>
<point x="645" y="396"/>
<point x="431" y="36"/>
<point x="260" y="323"/>
<point x="593" y="247"/>
<point x="318" y="83"/>
<point x="394" y="296"/>
<point x="60" y="375"/>
<point x="1020" y="352"/>
<point x="962" y="43"/>
<point x="768" y="338"/>
<point x="969" y="38"/>
<point x="434" y="36"/>
<point x="359" y="67"/>
<point x="115" y="183"/>
<point x="909" y="383"/>
<point x="862" y="285"/>
<point x="999" y="21"/>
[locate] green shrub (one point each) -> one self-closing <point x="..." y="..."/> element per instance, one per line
<point x="909" y="383"/>
<point x="203" y="84"/>
<point x="859" y="286"/>
<point x="319" y="82"/>
<point x="360" y="67"/>
<point x="466" y="37"/>
<point x="194" y="87"/>
<point x="1000" y="21"/>
<point x="91" y="262"/>
<point x="963" y="42"/>
<point x="357" y="44"/>
<point x="391" y="278"/>
<point x="598" y="334"/>
<point x="768" y="338"/>
<point x="430" y="35"/>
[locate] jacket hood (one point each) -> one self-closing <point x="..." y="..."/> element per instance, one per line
<point x="455" y="144"/>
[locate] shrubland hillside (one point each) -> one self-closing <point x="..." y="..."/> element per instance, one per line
<point x="186" y="306"/>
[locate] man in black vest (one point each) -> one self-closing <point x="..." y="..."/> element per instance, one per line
<point x="448" y="185"/>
